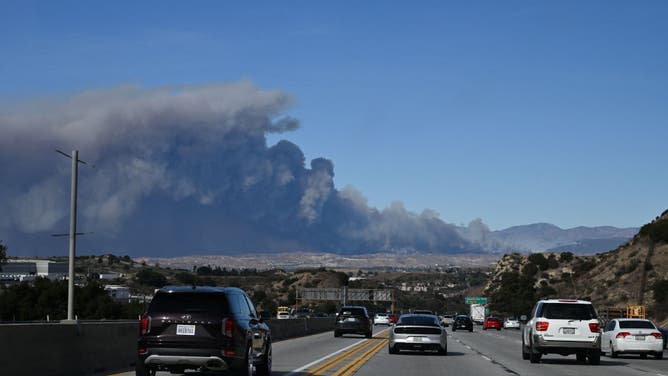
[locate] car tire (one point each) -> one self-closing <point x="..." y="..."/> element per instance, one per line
<point x="142" y="370"/>
<point x="264" y="369"/>
<point x="368" y="334"/>
<point x="443" y="351"/>
<point x="498" y="329"/>
<point x="337" y="334"/>
<point x="525" y="350"/>
<point x="392" y="350"/>
<point x="643" y="356"/>
<point x="246" y="368"/>
<point x="470" y="330"/>
<point x="534" y="356"/>
<point x="454" y="328"/>
<point x="658" y="355"/>
<point x="594" y="357"/>
<point x="581" y="357"/>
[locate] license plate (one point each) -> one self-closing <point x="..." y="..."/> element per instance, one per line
<point x="185" y="330"/>
<point x="351" y="319"/>
<point x="640" y="338"/>
<point x="569" y="331"/>
<point x="415" y="339"/>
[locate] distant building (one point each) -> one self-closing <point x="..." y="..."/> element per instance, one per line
<point x="119" y="293"/>
<point x="21" y="270"/>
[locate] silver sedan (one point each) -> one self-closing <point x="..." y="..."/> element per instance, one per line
<point x="418" y="332"/>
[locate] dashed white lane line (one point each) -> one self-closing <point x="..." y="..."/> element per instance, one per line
<point x="486" y="358"/>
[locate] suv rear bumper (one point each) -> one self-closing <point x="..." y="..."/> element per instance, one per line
<point x="544" y="345"/>
<point x="210" y="362"/>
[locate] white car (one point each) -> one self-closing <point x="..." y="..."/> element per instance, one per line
<point x="632" y="336"/>
<point x="381" y="318"/>
<point x="511" y="323"/>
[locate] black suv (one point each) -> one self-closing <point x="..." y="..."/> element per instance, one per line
<point x="206" y="328"/>
<point x="462" y="322"/>
<point x="353" y="319"/>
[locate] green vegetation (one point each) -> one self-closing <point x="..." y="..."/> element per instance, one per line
<point x="539" y="260"/>
<point x="657" y="230"/>
<point x="3" y="254"/>
<point x="660" y="290"/>
<point x="516" y="295"/>
<point x="35" y="300"/>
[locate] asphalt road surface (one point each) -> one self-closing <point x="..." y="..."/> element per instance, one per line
<point x="478" y="353"/>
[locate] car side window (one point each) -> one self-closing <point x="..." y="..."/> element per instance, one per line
<point x="251" y="307"/>
<point x="534" y="312"/>
<point x="239" y="305"/>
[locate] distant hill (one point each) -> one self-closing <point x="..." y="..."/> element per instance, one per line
<point x="540" y="237"/>
<point x="634" y="273"/>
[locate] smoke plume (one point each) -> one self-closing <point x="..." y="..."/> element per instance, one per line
<point x="187" y="169"/>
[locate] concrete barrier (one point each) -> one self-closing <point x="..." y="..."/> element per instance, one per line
<point x="89" y="347"/>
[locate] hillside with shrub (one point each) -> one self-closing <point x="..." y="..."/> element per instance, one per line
<point x="634" y="274"/>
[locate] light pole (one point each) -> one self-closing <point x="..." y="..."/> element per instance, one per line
<point x="73" y="232"/>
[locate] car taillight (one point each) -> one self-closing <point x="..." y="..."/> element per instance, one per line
<point x="623" y="334"/>
<point x="541" y="326"/>
<point x="657" y="335"/>
<point x="594" y="327"/>
<point x="228" y="327"/>
<point x="145" y="325"/>
<point x="141" y="350"/>
<point x="338" y="318"/>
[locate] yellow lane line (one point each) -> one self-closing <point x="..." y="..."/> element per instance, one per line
<point x="338" y="359"/>
<point x="358" y="362"/>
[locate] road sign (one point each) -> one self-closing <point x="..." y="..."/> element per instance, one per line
<point x="475" y="300"/>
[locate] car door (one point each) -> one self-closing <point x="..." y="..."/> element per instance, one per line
<point x="259" y="330"/>
<point x="607" y="334"/>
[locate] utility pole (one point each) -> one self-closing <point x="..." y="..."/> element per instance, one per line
<point x="73" y="232"/>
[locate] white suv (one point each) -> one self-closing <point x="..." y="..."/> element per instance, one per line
<point x="562" y="326"/>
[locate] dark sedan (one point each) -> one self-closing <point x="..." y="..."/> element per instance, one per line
<point x="462" y="322"/>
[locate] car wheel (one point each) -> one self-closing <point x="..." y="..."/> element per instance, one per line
<point x="581" y="357"/>
<point x="525" y="352"/>
<point x="595" y="357"/>
<point x="264" y="369"/>
<point x="643" y="356"/>
<point x="142" y="370"/>
<point x="534" y="356"/>
<point x="658" y="355"/>
<point x="337" y="333"/>
<point x="246" y="368"/>
<point x="498" y="328"/>
<point x="368" y="334"/>
<point x="470" y="330"/>
<point x="613" y="353"/>
<point x="392" y="350"/>
<point x="454" y="328"/>
<point x="443" y="351"/>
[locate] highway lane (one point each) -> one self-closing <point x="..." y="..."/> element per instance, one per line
<point x="477" y="353"/>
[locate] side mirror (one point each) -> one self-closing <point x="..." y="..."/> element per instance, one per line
<point x="523" y="318"/>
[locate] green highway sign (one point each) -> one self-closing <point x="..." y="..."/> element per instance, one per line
<point x="470" y="300"/>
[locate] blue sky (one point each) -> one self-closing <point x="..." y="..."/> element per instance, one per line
<point x="514" y="112"/>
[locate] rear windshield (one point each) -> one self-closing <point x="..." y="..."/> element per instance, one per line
<point x="215" y="304"/>
<point x="352" y="312"/>
<point x="568" y="311"/>
<point x="462" y="318"/>
<point x="418" y="320"/>
<point x="636" y="324"/>
<point x="493" y="319"/>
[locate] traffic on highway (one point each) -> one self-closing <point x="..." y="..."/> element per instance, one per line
<point x="469" y="353"/>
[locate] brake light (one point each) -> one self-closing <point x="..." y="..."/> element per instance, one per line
<point x="622" y="335"/>
<point x="568" y="300"/>
<point x="541" y="326"/>
<point x="657" y="335"/>
<point x="594" y="327"/>
<point x="145" y="325"/>
<point x="338" y="318"/>
<point x="142" y="350"/>
<point x="228" y="327"/>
